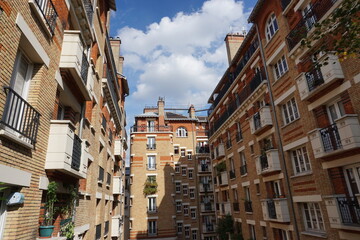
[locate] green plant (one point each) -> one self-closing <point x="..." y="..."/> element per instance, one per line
<point x="220" y="167"/>
<point x="69" y="208"/>
<point x="150" y="187"/>
<point x="225" y="227"/>
<point x="67" y="230"/>
<point x="51" y="199"/>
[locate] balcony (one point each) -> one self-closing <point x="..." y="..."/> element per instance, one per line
<point x="203" y="168"/>
<point x="207" y="207"/>
<point x="343" y="135"/>
<point x="276" y="210"/>
<point x="156" y="128"/>
<point x="46" y="12"/>
<point x="20" y="121"/>
<point x="261" y="120"/>
<point x="208" y="228"/>
<point x="64" y="149"/>
<point x="220" y="151"/>
<point x="343" y="212"/>
<point x="225" y="208"/>
<point x="151" y="146"/>
<point x="318" y="10"/>
<point x="116" y="226"/>
<point x="248" y="206"/>
<point x="269" y="162"/>
<point x="118" y="148"/>
<point x="202" y="150"/>
<point x="117" y="185"/>
<point x="74" y="61"/>
<point x="312" y="82"/>
<point x="243" y="170"/>
<point x="223" y="178"/>
<point x="206" y="187"/>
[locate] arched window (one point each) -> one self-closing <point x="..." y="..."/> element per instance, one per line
<point x="181" y="132"/>
<point x="271" y="27"/>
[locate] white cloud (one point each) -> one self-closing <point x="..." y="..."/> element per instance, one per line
<point x="183" y="57"/>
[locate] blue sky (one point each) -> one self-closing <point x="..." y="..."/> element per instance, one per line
<point x="175" y="48"/>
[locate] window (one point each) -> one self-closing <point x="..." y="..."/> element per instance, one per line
<point x="257" y="188"/>
<point x="191" y="171"/>
<point x="151" y="179"/>
<point x="352" y="175"/>
<point x="189" y="155"/>
<point x="335" y="110"/>
<point x="308" y="16"/>
<point x="280" y="67"/>
<point x="243" y="169"/>
<point x="290" y="111"/>
<point x="101" y="175"/>
<point x="185" y="189"/>
<point x="176" y="150"/>
<point x="252" y="232"/>
<point x="187" y="231"/>
<point x="151" y="162"/>
<point x="183" y="171"/>
<point x="313" y="217"/>
<point x="283" y="234"/>
<point x="194" y="234"/>
<point x="301" y="161"/>
<point x="271" y="27"/>
<point x="177" y="187"/>
<point x="193" y="213"/>
<point x="152" y="204"/>
<point x="181" y="132"/>
<point x="192" y="193"/>
<point x="238" y="132"/>
<point x="151" y="143"/>
<point x="98" y="232"/>
<point x="264" y="232"/>
<point x="186" y="210"/>
<point x="235" y="194"/>
<point x="276" y="188"/>
<point x="21" y="76"/>
<point x="177" y="169"/>
<point x="152" y="227"/>
<point x="179" y="227"/>
<point x="182" y="152"/>
<point x="151" y="126"/>
<point x="178" y="206"/>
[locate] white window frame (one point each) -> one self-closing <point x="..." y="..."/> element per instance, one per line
<point x="356" y="176"/>
<point x="186" y="209"/>
<point x="152" y="204"/>
<point x="177" y="169"/>
<point x="190" y="173"/>
<point x="178" y="187"/>
<point x="151" y="162"/>
<point x="152" y="227"/>
<point x="184" y="171"/>
<point x="176" y="150"/>
<point x="317" y="215"/>
<point x="181" y="132"/>
<point x="277" y="188"/>
<point x="3" y="212"/>
<point x="192" y="193"/>
<point x="193" y="213"/>
<point x="290" y="111"/>
<point x="194" y="234"/>
<point x="338" y="107"/>
<point x="178" y="206"/>
<point x="189" y="155"/>
<point x="280" y="67"/>
<point x="179" y="227"/>
<point x="182" y="152"/>
<point x="300" y="160"/>
<point x="185" y="189"/>
<point x="272" y="27"/>
<point x="187" y="231"/>
<point x="151" y="141"/>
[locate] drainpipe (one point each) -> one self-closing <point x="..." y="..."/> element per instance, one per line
<point x="280" y="146"/>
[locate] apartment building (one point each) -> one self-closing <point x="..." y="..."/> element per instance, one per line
<point x="170" y="180"/>
<point x="63" y="118"/>
<point x="284" y="130"/>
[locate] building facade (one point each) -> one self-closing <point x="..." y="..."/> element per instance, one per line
<point x="63" y="118"/>
<point x="170" y="180"/>
<point x="284" y="130"/>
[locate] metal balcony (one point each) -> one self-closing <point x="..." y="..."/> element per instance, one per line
<point x="208" y="228"/>
<point x="337" y="138"/>
<point x="269" y="162"/>
<point x="46" y="10"/>
<point x="275" y="209"/>
<point x="150" y="146"/>
<point x="156" y="128"/>
<point x="261" y="120"/>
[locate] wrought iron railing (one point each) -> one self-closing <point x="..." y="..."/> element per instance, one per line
<point x="314" y="78"/>
<point x="156" y="128"/>
<point x="49" y="13"/>
<point x="209" y="227"/>
<point x="76" y="153"/>
<point x="243" y="169"/>
<point x="151" y="146"/>
<point x="248" y="206"/>
<point x="271" y="208"/>
<point x="19" y="116"/>
<point x="151" y="209"/>
<point x="208" y="206"/>
<point x="257" y="121"/>
<point x="349" y="210"/>
<point x="84" y="68"/>
<point x="331" y="138"/>
<point x="204" y="168"/>
<point x="151" y="166"/>
<point x="202" y="149"/>
<point x="314" y="14"/>
<point x="89" y="10"/>
<point x="264" y="163"/>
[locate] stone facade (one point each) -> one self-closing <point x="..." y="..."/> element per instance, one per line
<point x="289" y="136"/>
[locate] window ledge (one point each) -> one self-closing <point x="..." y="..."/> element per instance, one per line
<point x="302" y="174"/>
<point x="284" y="126"/>
<point x="243" y="175"/>
<point x="9" y="135"/>
<point x="315" y="234"/>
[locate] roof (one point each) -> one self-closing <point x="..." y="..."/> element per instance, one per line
<point x="148" y="114"/>
<point x="177" y="117"/>
<point x="255" y="10"/>
<point x="112" y="4"/>
<point x="202" y="119"/>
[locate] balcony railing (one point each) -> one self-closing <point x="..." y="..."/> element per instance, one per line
<point x="84" y="68"/>
<point x="261" y="120"/>
<point x="243" y="170"/>
<point x="152" y="209"/>
<point x="76" y="153"/>
<point x="314" y="14"/>
<point x="236" y="206"/>
<point x="314" y="79"/>
<point x="206" y="187"/>
<point x="202" y="149"/>
<point x="89" y="10"/>
<point x="207" y="207"/>
<point x="204" y="168"/>
<point x="248" y="206"/>
<point x="151" y="146"/>
<point x="49" y="13"/>
<point x="257" y="121"/>
<point x="268" y="162"/>
<point x="207" y="227"/>
<point x="19" y="116"/>
<point x="264" y="162"/>
<point x="271" y="209"/>
<point x="156" y="128"/>
<point x="349" y="210"/>
<point x="151" y="166"/>
<point x="233" y="105"/>
<point x="330" y="138"/>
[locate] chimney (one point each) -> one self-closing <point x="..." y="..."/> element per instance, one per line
<point x="115" y="47"/>
<point x="161" y="111"/>
<point x="233" y="42"/>
<point x="191" y="111"/>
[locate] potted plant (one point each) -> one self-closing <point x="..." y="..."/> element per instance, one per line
<point x="67" y="230"/>
<point x="46" y="229"/>
<point x="150" y="187"/>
